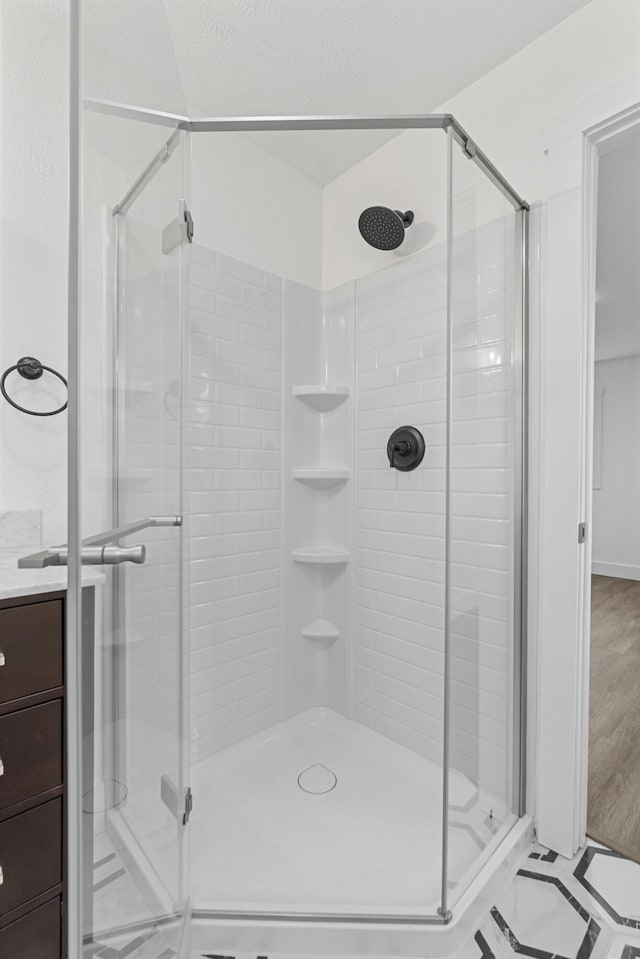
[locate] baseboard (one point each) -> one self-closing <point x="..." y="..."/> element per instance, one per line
<point x="618" y="570"/>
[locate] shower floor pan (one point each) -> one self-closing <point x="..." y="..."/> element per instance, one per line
<point x="320" y="814"/>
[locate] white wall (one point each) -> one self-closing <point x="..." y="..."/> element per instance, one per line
<point x="616" y="512"/>
<point x="33" y="253"/>
<point x="34" y="36"/>
<point x="251" y="206"/>
<point x="517" y="110"/>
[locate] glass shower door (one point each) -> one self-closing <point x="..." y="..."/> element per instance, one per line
<point x="485" y="519"/>
<point x="136" y="795"/>
<point x="150" y="746"/>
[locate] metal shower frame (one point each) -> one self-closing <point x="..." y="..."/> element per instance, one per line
<point x="429" y="121"/>
<point x="455" y="133"/>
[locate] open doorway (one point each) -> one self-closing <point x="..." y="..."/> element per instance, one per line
<point x="613" y="812"/>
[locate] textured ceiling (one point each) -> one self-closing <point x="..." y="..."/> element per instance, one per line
<point x="275" y="57"/>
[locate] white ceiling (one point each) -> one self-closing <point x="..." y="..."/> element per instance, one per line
<point x="618" y="253"/>
<point x="293" y="57"/>
<point x="321" y="156"/>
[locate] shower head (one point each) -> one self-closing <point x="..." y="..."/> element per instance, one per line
<point x="383" y="228"/>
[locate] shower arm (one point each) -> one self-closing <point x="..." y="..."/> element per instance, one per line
<point x="99" y="550"/>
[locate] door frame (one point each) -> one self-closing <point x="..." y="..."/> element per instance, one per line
<point x="562" y="431"/>
<point x="598" y="140"/>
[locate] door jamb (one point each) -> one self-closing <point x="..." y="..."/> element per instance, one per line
<point x="598" y="139"/>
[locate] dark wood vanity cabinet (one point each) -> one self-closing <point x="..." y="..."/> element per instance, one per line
<point x="32" y="767"/>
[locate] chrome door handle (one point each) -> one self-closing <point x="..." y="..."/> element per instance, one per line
<point x="2" y="660"/>
<point x="1" y="767"/>
<point x="106" y="555"/>
<point x="1" y="876"/>
<point x="99" y="550"/>
<point x="98" y="555"/>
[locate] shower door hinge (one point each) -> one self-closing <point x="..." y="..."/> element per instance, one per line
<point x="179" y="802"/>
<point x="179" y="230"/>
<point x="469" y="148"/>
<point x="582" y="532"/>
<point x="188" y="806"/>
<point x="188" y="219"/>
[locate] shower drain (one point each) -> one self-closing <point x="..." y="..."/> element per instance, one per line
<point x="317" y="779"/>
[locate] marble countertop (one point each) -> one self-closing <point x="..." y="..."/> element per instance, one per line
<point x="24" y="582"/>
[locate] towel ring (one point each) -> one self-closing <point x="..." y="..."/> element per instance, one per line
<point x="31" y="369"/>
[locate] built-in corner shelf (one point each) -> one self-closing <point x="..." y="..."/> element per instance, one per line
<point x="321" y="556"/>
<point x="321" y="631"/>
<point x="322" y="398"/>
<point x="321" y="477"/>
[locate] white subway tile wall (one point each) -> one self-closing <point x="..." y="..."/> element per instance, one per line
<point x="234" y="500"/>
<point x="400" y="527"/>
<point x="483" y="470"/>
<point x="400" y="522"/>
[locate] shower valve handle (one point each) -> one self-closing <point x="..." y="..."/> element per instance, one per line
<point x="402" y="449"/>
<point x="406" y="448"/>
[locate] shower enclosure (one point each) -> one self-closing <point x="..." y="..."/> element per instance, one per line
<point x="307" y="660"/>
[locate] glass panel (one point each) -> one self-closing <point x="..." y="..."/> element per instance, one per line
<point x="320" y="574"/>
<point x="135" y="633"/>
<point x="399" y="514"/>
<point x="133" y="271"/>
<point x="135" y="755"/>
<point x="148" y="482"/>
<point x="484" y="520"/>
<point x="317" y="606"/>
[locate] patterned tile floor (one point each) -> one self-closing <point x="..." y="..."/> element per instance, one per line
<point x="584" y="908"/>
<point x="117" y="901"/>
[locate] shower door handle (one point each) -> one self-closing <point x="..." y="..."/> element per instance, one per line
<point x="105" y="555"/>
<point x="101" y="550"/>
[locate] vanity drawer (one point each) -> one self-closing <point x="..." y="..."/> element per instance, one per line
<point x="31" y="643"/>
<point x="30" y="752"/>
<point x="30" y="854"/>
<point x="38" y="935"/>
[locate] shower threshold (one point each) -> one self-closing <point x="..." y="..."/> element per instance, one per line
<point x="369" y="845"/>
